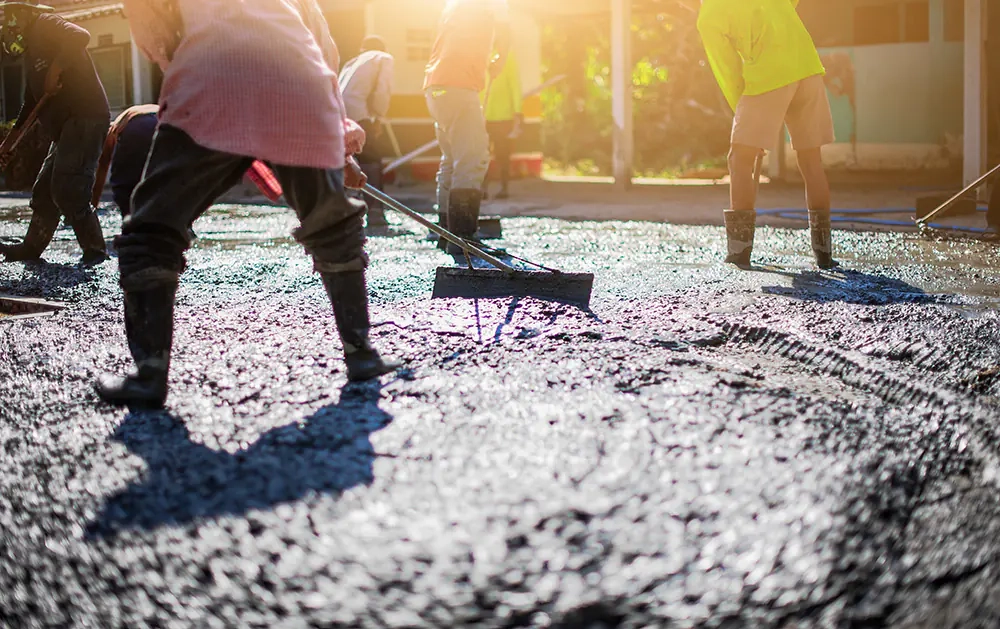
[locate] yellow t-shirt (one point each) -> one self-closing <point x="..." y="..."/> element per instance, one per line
<point x="504" y="92"/>
<point x="756" y="46"/>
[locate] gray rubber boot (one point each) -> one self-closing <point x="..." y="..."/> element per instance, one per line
<point x="822" y="241"/>
<point x="463" y="216"/>
<point x="149" y="327"/>
<point x="740" y="228"/>
<point x="349" y="298"/>
<point x="41" y="229"/>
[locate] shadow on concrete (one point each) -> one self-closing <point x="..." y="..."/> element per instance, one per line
<point x="852" y="287"/>
<point x="328" y="452"/>
<point x="46" y="279"/>
<point x="560" y="309"/>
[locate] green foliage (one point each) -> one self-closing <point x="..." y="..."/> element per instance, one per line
<point x="680" y="117"/>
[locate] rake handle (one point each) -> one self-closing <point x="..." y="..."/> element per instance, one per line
<point x="758" y="168"/>
<point x="29" y="122"/>
<point x="437" y="229"/>
<point x="922" y="222"/>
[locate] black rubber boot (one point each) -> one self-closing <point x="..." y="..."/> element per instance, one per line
<point x="504" y="184"/>
<point x="91" y="238"/>
<point x="463" y="216"/>
<point x="349" y="298"/>
<point x="149" y="326"/>
<point x="442" y="221"/>
<point x="822" y="242"/>
<point x="740" y="228"/>
<point x="41" y="229"/>
<point x="993" y="209"/>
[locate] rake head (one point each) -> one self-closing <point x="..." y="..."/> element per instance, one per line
<point x="574" y="288"/>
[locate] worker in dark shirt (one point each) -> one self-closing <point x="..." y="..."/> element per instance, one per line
<point x="127" y="148"/>
<point x="76" y="115"/>
<point x="124" y="154"/>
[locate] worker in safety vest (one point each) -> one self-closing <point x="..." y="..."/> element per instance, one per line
<point x="470" y="30"/>
<point x="502" y="106"/>
<point x="770" y="72"/>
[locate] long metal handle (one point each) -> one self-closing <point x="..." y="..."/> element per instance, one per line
<point x="29" y="122"/>
<point x="950" y="202"/>
<point x="437" y="229"/>
<point x="758" y="168"/>
<point x="417" y="152"/>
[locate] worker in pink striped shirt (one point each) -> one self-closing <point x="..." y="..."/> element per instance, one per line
<point x="242" y="81"/>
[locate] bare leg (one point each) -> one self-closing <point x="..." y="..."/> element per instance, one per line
<point x="813" y="173"/>
<point x="741" y="218"/>
<point x="818" y="202"/>
<point x="742" y="187"/>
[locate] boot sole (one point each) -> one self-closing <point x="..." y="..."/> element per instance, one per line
<point x="741" y="261"/>
<point x="116" y="400"/>
<point x="366" y="375"/>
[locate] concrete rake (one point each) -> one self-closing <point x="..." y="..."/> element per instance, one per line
<point x="501" y="281"/>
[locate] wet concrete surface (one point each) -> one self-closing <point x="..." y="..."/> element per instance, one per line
<point x="703" y="447"/>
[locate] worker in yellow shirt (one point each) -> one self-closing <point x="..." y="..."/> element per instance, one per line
<point x="502" y="106"/>
<point x="770" y="72"/>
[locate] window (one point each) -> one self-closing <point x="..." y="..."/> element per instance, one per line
<point x="114" y="67"/>
<point x="916" y="22"/>
<point x="419" y="42"/>
<point x="892" y="23"/>
<point x="866" y="22"/>
<point x="877" y="24"/>
<point x="954" y="20"/>
<point x="829" y="23"/>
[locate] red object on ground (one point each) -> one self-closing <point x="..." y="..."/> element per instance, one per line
<point x="264" y="178"/>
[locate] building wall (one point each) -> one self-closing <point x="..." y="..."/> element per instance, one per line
<point x="896" y="105"/>
<point x="111" y="48"/>
<point x="116" y="26"/>
<point x="409" y="29"/>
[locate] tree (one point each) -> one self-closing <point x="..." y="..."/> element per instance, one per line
<point x="680" y="116"/>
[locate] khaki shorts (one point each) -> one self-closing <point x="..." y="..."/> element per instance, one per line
<point x="803" y="106"/>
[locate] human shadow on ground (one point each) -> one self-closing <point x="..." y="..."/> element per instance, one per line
<point x="47" y="279"/>
<point x="847" y="286"/>
<point x="328" y="452"/>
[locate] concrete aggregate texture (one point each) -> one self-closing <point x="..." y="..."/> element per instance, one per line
<point x="703" y="447"/>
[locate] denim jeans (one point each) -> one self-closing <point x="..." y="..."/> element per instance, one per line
<point x="461" y="132"/>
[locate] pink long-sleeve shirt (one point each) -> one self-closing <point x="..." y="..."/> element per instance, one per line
<point x="248" y="77"/>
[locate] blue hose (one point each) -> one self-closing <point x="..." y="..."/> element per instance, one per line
<point x="855" y="215"/>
